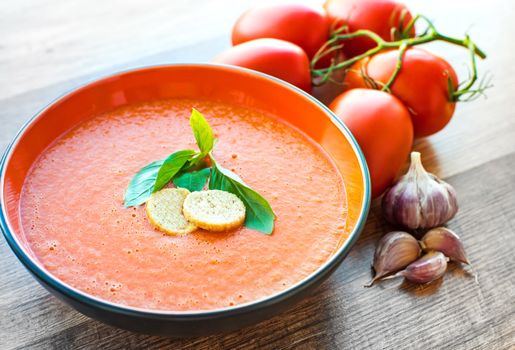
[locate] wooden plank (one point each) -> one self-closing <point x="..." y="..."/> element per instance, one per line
<point x="54" y="41"/>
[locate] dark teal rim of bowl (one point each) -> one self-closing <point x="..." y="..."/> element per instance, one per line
<point x="85" y="298"/>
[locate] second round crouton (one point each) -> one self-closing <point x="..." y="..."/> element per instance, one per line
<point x="214" y="210"/>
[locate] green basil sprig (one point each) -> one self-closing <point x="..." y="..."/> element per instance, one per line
<point x="188" y="169"/>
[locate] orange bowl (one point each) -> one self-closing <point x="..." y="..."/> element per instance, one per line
<point x="228" y="84"/>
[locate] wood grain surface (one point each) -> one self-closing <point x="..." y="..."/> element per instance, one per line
<point x="49" y="47"/>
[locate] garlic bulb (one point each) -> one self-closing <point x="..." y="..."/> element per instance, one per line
<point x="395" y="251"/>
<point x="419" y="199"/>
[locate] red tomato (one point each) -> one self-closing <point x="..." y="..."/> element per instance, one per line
<point x="379" y="16"/>
<point x="382" y="126"/>
<point x="302" y="25"/>
<point x="422" y="85"/>
<point x="279" y="58"/>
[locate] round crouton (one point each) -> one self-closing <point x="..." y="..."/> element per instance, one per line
<point x="214" y="210"/>
<point x="164" y="209"/>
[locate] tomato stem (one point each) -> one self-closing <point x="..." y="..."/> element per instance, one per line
<point x="398" y="67"/>
<point x="334" y="44"/>
<point x="466" y="89"/>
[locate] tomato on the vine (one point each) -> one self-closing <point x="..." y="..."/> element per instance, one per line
<point x="379" y="16"/>
<point x="279" y="58"/>
<point x="305" y="26"/>
<point x="422" y="85"/>
<point x="382" y="127"/>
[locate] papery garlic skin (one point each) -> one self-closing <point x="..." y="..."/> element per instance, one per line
<point x="395" y="251"/>
<point x="446" y="241"/>
<point x="428" y="268"/>
<point x="419" y="199"/>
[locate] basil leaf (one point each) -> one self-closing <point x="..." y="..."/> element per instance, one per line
<point x="202" y="131"/>
<point x="142" y="184"/>
<point x="193" y="181"/>
<point x="171" y="167"/>
<point x="155" y="176"/>
<point x="259" y="215"/>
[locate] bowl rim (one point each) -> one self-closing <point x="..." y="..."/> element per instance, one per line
<point x="36" y="268"/>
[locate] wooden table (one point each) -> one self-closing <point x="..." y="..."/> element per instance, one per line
<point x="47" y="48"/>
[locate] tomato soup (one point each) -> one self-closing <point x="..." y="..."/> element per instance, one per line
<point x="73" y="217"/>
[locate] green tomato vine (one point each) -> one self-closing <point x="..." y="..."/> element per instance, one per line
<point x="465" y="90"/>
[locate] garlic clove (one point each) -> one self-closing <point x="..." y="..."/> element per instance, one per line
<point x="446" y="241"/>
<point x="419" y="199"/>
<point x="428" y="268"/>
<point x="394" y="251"/>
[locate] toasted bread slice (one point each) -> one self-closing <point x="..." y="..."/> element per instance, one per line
<point x="214" y="210"/>
<point x="164" y="209"/>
